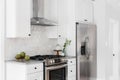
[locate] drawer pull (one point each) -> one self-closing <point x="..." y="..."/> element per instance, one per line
<point x="35" y="79"/>
<point x="35" y="68"/>
<point x="70" y="70"/>
<point x="70" y="61"/>
<point x="29" y="34"/>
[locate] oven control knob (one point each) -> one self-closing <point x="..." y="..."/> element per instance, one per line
<point x="51" y="61"/>
<point x="64" y="60"/>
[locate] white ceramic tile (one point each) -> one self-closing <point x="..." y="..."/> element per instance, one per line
<point x="37" y="44"/>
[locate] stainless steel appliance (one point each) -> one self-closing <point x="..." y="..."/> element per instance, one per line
<point x="86" y="51"/>
<point x="38" y="15"/>
<point x="56" y="72"/>
<point x="55" y="66"/>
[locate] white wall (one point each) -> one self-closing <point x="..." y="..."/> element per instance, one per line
<point x="37" y="44"/>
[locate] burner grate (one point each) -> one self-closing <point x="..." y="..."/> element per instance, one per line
<point x="43" y="57"/>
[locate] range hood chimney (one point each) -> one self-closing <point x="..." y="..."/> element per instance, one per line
<point x="38" y="15"/>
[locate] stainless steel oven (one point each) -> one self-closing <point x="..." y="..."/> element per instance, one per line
<point x="56" y="72"/>
<point x="55" y="66"/>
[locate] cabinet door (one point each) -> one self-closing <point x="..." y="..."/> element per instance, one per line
<point x="66" y="16"/>
<point x="72" y="78"/>
<point x="18" y="13"/>
<point x="84" y="10"/>
<point x="35" y="76"/>
<point x="72" y="61"/>
<point x="62" y="18"/>
<point x="51" y="13"/>
<point x="51" y="10"/>
<point x="112" y="31"/>
<point x="33" y="68"/>
<point x="71" y="70"/>
<point x="56" y="10"/>
<point x="62" y="12"/>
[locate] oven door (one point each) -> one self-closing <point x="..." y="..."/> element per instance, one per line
<point x="58" y="72"/>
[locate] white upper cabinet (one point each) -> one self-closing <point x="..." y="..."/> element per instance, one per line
<point x="18" y="14"/>
<point x="51" y="10"/>
<point x="62" y="12"/>
<point x="67" y="11"/>
<point x="84" y="10"/>
<point x="51" y="13"/>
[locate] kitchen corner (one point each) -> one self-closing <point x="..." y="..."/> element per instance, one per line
<point x="44" y="31"/>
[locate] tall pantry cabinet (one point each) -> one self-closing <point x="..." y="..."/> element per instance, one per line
<point x="108" y="38"/>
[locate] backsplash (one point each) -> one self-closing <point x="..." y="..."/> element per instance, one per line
<point x="37" y="44"/>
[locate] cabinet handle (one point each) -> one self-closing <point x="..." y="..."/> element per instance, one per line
<point x="35" y="79"/>
<point x="59" y="35"/>
<point x="29" y="34"/>
<point x="35" y="68"/>
<point x="70" y="70"/>
<point x="113" y="54"/>
<point x="85" y="20"/>
<point x="70" y="61"/>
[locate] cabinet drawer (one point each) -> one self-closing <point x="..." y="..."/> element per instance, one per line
<point x="71" y="61"/>
<point x="72" y="78"/>
<point x="71" y="71"/>
<point x="35" y="76"/>
<point x="34" y="68"/>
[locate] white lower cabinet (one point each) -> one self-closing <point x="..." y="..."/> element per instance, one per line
<point x="35" y="76"/>
<point x="32" y="68"/>
<point x="72" y="78"/>
<point x="72" y="69"/>
<point x="72" y="62"/>
<point x="24" y="70"/>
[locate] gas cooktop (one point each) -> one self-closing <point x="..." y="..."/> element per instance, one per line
<point x="49" y="59"/>
<point x="44" y="57"/>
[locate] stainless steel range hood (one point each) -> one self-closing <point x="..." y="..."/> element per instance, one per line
<point x="38" y="15"/>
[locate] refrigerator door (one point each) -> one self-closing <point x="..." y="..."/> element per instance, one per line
<point x="86" y="51"/>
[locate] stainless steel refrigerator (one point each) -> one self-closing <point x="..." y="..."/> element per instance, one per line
<point x="86" y="54"/>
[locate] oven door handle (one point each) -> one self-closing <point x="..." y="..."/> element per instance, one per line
<point x="56" y="67"/>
